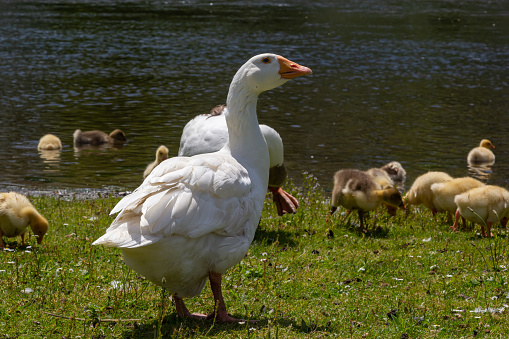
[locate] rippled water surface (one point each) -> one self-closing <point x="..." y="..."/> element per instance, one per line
<point x="417" y="82"/>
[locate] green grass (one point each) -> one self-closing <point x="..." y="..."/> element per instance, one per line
<point x="408" y="277"/>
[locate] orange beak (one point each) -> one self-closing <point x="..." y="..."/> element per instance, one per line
<point x="289" y="69"/>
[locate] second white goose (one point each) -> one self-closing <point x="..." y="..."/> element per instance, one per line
<point x="208" y="133"/>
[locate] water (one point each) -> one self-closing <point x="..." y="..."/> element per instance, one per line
<point x="416" y="82"/>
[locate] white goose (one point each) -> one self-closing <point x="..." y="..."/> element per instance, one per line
<point x="194" y="217"/>
<point x="208" y="133"/>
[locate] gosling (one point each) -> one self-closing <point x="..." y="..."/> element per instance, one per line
<point x="49" y="142"/>
<point x="421" y="193"/>
<point x="482" y="154"/>
<point x="161" y="155"/>
<point x="16" y="213"/>
<point x="96" y="138"/>
<point x="396" y="172"/>
<point x="483" y="205"/>
<point x="355" y="189"/>
<point x="445" y="192"/>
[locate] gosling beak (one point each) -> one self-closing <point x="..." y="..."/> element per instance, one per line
<point x="39" y="238"/>
<point x="289" y="69"/>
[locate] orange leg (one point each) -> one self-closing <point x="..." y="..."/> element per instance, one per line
<point x="488" y="224"/>
<point x="182" y="310"/>
<point x="284" y="201"/>
<point x="456" y="219"/>
<point x="220" y="314"/>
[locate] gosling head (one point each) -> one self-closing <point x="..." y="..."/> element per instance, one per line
<point x="162" y="153"/>
<point x="118" y="136"/>
<point x="392" y="196"/>
<point x="39" y="225"/>
<point x="486" y="144"/>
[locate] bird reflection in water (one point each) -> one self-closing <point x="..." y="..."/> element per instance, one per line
<point x="51" y="160"/>
<point x="103" y="147"/>
<point x="481" y="171"/>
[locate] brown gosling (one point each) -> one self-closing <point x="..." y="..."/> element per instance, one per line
<point x="354" y="189"/>
<point x="396" y="172"/>
<point x="483" y="205"/>
<point x="421" y="193"/>
<point x="481" y="154"/>
<point x="49" y="142"/>
<point x="96" y="138"/>
<point x="16" y="213"/>
<point x="161" y="155"/>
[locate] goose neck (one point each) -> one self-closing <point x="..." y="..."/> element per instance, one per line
<point x="245" y="139"/>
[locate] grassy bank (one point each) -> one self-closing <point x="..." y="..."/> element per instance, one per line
<point x="408" y="278"/>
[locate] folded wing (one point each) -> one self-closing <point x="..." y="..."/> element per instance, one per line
<point x="188" y="196"/>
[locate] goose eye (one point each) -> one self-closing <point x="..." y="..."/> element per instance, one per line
<point x="266" y="60"/>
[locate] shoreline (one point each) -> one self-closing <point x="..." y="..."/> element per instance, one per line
<point x="68" y="194"/>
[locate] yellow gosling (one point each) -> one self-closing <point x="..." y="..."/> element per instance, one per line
<point x="421" y="193"/>
<point x="482" y="154"/>
<point x="16" y="213"/>
<point x="483" y="205"/>
<point x="161" y="155"/>
<point x="49" y="142"/>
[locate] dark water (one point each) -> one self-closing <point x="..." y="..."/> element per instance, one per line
<point x="420" y="82"/>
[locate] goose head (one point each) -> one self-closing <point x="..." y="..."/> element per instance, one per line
<point x="266" y="71"/>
